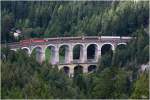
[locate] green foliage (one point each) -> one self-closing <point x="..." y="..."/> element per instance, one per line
<point x="121" y="84"/>
<point x="51" y="19"/>
<point x="110" y="83"/>
<point x="15" y="92"/>
<point x="28" y="79"/>
<point x="106" y="60"/>
<point x="129" y="59"/>
<point x="140" y="89"/>
<point x="103" y="85"/>
<point x="48" y="55"/>
<point x="7" y="23"/>
<point x="136" y="51"/>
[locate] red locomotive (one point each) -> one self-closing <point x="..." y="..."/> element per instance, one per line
<point x="29" y="41"/>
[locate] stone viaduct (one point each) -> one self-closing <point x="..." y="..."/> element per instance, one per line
<point x="70" y="64"/>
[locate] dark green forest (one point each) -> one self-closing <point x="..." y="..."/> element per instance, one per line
<point x="118" y="75"/>
<point x="52" y="19"/>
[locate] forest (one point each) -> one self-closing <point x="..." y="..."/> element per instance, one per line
<point x="118" y="75"/>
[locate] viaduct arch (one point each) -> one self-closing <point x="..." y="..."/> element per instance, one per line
<point x="90" y="49"/>
<point x="26" y="49"/>
<point x="52" y="53"/>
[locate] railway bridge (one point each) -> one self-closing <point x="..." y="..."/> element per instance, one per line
<point x="90" y="50"/>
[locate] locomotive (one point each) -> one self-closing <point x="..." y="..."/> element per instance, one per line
<point x="29" y="41"/>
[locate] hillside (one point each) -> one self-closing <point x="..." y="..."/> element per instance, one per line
<point x="51" y="19"/>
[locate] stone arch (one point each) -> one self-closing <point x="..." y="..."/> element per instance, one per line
<point x="121" y="45"/>
<point x="107" y="47"/>
<point x="64" y="53"/>
<point x="26" y="49"/>
<point x="92" y="51"/>
<point x="112" y="45"/>
<point x="13" y="50"/>
<point x="78" y="69"/>
<point x="92" y="68"/>
<point x="78" y="50"/>
<point x="37" y="46"/>
<point x="66" y="69"/>
<point x="51" y="54"/>
<point x="37" y="53"/>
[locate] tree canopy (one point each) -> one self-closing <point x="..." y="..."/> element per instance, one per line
<point x="72" y="18"/>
